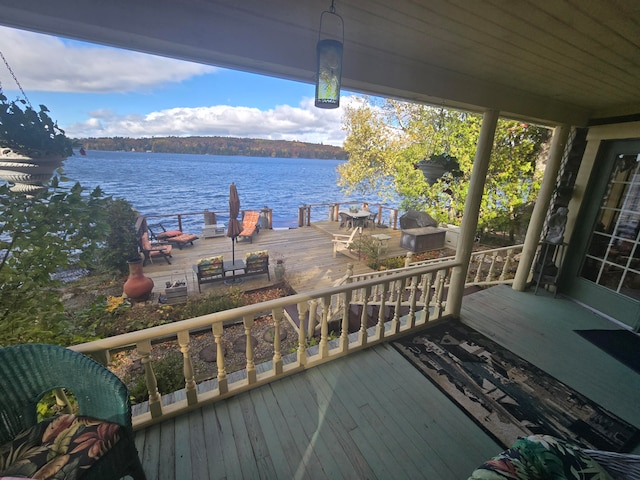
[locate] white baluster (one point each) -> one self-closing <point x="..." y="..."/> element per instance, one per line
<point x="223" y="385"/>
<point x="248" y="322"/>
<point x="189" y="375"/>
<point x="144" y="350"/>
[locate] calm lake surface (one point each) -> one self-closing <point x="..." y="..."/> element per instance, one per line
<point x="161" y="183"/>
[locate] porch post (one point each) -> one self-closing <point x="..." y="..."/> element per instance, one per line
<point x="471" y="212"/>
<point x="558" y="145"/>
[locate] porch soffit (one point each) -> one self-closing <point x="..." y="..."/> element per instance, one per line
<point x="554" y="61"/>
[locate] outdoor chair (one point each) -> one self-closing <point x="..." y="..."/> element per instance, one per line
<point x="210" y="269"/>
<point x="560" y="458"/>
<point x="257" y="263"/>
<point x="175" y="237"/>
<point x="250" y="225"/>
<point x="343" y="242"/>
<point x="154" y="250"/>
<point x="371" y="220"/>
<point x="159" y="233"/>
<point x="95" y="443"/>
<point x="345" y="220"/>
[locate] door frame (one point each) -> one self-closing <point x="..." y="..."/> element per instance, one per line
<point x="620" y="307"/>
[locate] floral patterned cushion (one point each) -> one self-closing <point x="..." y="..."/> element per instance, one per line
<point x="59" y="448"/>
<point x="211" y="265"/>
<point x="541" y="457"/>
<point x="256" y="261"/>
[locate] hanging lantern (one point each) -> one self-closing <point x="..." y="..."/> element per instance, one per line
<point x="329" y="67"/>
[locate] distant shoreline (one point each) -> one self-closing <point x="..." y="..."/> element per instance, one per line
<point x="225" y="146"/>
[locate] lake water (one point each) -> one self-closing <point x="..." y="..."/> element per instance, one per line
<point x="160" y="183"/>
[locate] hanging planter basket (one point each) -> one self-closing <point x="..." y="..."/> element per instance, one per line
<point x="32" y="146"/>
<point x="435" y="167"/>
<point x="27" y="174"/>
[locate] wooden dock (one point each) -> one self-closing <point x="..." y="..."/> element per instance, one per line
<point x="306" y="251"/>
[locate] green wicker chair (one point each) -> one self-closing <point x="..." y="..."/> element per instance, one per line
<point x="27" y="372"/>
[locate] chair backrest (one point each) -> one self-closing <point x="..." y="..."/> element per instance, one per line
<point x="353" y="234"/>
<point x="145" y="243"/>
<point x="256" y="261"/>
<point x="211" y="265"/>
<point x="28" y="372"/>
<point x="250" y="218"/>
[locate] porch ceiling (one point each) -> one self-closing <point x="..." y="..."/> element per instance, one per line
<point x="555" y="61"/>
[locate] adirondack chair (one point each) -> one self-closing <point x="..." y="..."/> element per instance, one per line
<point x="343" y="242"/>
<point x="250" y="225"/>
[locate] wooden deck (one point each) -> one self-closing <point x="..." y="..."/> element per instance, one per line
<point x="373" y="415"/>
<point x="307" y="252"/>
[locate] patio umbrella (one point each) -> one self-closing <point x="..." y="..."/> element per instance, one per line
<point x="234" y="228"/>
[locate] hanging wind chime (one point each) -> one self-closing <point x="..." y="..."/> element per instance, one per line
<point x="329" y="66"/>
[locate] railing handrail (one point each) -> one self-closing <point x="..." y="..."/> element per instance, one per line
<point x="433" y="261"/>
<point x="414" y="296"/>
<point x="167" y="330"/>
<point x="473" y="254"/>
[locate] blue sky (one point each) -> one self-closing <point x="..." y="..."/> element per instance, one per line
<point x="95" y="91"/>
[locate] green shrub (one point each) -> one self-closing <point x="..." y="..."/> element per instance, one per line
<point x="392" y="263"/>
<point x="121" y="241"/>
<point x="366" y="247"/>
<point x="169" y="376"/>
<point x="212" y="303"/>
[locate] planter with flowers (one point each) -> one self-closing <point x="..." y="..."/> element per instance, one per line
<point x="32" y="146"/>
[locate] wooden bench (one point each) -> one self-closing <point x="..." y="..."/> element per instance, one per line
<point x="209" y="270"/>
<point x="256" y="263"/>
<point x="215" y="269"/>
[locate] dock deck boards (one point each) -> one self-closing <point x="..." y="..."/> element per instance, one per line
<point x="307" y="252"/>
<point x="373" y="415"/>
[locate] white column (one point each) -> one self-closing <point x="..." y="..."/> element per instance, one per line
<point x="471" y="212"/>
<point x="558" y="145"/>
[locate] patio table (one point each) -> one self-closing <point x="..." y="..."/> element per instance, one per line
<point x="359" y="218"/>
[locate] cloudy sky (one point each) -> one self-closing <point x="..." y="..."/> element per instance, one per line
<point x="96" y="91"/>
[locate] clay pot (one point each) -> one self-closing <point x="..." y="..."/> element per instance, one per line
<point x="137" y="287"/>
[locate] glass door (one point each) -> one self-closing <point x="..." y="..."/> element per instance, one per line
<point x="603" y="266"/>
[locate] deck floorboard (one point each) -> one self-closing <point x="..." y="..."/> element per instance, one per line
<point x="307" y="252"/>
<point x="373" y="415"/>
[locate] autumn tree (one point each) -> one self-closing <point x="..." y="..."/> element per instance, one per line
<point x="392" y="144"/>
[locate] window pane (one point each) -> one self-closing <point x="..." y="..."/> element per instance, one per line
<point x="631" y="285"/>
<point x="610" y="277"/>
<point x="615" y="236"/>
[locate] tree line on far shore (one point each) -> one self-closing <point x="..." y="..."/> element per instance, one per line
<point x="253" y="147"/>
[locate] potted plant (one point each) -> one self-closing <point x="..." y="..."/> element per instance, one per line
<point x="435" y="167"/>
<point x="32" y="145"/>
<point x="279" y="269"/>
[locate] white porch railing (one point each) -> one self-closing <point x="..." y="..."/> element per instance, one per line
<point x="486" y="267"/>
<point x="403" y="300"/>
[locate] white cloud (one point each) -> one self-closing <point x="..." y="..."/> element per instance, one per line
<point x="46" y="63"/>
<point x="303" y="123"/>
